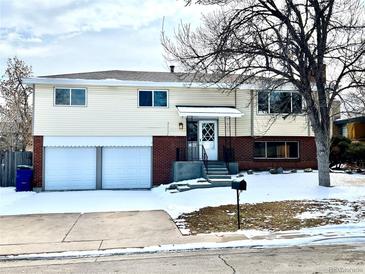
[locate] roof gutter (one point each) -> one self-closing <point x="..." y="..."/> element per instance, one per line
<point x="359" y="119"/>
<point x="121" y="83"/>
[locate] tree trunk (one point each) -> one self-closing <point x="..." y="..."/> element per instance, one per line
<point x="323" y="150"/>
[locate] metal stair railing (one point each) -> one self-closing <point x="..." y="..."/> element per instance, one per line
<point x="205" y="158"/>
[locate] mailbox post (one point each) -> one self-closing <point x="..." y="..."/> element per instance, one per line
<point x="239" y="186"/>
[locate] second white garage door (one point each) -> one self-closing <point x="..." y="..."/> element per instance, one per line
<point x="126" y="167"/>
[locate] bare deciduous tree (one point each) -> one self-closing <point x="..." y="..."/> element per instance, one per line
<point x="354" y="103"/>
<point x="284" y="42"/>
<point x="15" y="107"/>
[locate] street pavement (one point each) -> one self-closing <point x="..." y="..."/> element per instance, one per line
<point x="308" y="259"/>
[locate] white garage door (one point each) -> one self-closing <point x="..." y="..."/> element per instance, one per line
<point x="69" y="168"/>
<point x="126" y="167"/>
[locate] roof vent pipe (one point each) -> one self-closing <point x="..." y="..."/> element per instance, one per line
<point x="172" y="69"/>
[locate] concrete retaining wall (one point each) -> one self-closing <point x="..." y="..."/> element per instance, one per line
<point x="187" y="170"/>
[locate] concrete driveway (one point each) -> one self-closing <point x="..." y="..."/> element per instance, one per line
<point x="39" y="233"/>
<point x="66" y="232"/>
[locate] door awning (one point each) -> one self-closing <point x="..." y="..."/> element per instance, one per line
<point x="209" y="111"/>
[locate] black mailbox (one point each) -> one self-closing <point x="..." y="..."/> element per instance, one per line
<point x="241" y="185"/>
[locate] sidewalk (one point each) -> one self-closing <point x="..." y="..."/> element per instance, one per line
<point x="43" y="233"/>
<point x="118" y="233"/>
<point x="74" y="235"/>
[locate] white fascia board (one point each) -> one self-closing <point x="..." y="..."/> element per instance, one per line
<point x="93" y="141"/>
<point x="209" y="112"/>
<point x="119" y="83"/>
<point x="209" y="115"/>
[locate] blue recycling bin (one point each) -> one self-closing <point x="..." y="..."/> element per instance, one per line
<point x="24" y="176"/>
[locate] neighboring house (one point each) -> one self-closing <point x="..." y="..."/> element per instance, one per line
<point x="352" y="128"/>
<point x="125" y="129"/>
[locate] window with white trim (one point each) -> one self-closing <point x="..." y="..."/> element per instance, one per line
<point x="70" y="97"/>
<point x="276" y="150"/>
<point x="279" y="102"/>
<point x="152" y="98"/>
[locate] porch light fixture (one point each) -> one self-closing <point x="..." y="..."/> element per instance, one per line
<point x="181" y="126"/>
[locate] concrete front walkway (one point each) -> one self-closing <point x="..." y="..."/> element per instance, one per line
<point x="24" y="234"/>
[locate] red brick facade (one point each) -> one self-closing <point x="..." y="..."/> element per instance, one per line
<point x="244" y="149"/>
<point x="164" y="154"/>
<point x="37" y="160"/>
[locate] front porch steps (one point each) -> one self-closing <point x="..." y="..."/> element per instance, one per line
<point x="217" y="175"/>
<point x="190" y="186"/>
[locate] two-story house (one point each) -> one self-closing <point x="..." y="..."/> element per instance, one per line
<point x="124" y="129"/>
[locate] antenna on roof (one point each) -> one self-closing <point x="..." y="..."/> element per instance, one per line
<point x="163" y="25"/>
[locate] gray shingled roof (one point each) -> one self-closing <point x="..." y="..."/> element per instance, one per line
<point x="153" y="76"/>
<point x="350" y="120"/>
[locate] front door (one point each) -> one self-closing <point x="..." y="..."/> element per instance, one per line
<point x="208" y="138"/>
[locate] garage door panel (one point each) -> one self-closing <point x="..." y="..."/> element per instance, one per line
<point x="126" y="167"/>
<point x="70" y="168"/>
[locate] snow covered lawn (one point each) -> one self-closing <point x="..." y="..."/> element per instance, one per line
<point x="261" y="187"/>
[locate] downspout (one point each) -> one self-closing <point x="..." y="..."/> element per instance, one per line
<point x="235" y="106"/>
<point x="33" y="110"/>
<point x="252" y="113"/>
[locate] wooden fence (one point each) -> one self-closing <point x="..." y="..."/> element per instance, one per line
<point x="9" y="161"/>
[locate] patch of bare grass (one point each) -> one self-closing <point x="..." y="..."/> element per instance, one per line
<point x="274" y="216"/>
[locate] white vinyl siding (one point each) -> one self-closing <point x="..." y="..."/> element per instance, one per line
<point x="70" y="168"/>
<point x="243" y="124"/>
<point x="114" y="111"/>
<point x="278" y="126"/>
<point x="126" y="167"/>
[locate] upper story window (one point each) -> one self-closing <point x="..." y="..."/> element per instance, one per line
<point x="152" y="98"/>
<point x="279" y="102"/>
<point x="70" y="97"/>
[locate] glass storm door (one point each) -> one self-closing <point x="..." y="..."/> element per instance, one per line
<point x="208" y="138"/>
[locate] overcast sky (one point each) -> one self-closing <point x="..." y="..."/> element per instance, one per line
<point x="64" y="36"/>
